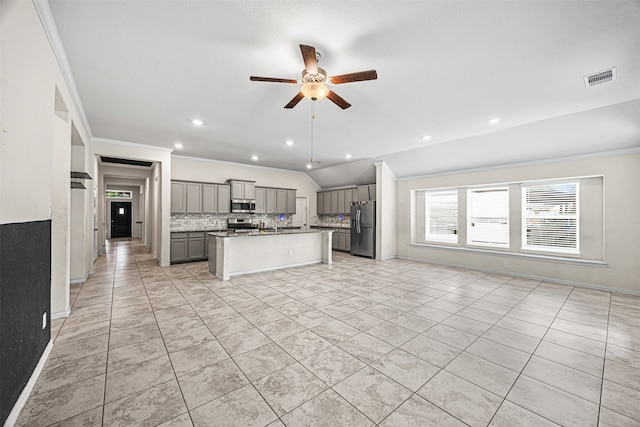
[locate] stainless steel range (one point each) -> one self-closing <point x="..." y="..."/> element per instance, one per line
<point x="241" y="225"/>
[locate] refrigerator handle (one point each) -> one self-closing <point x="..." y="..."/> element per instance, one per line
<point x="358" y="221"/>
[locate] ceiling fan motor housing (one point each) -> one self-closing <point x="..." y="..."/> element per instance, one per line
<point x="321" y="77"/>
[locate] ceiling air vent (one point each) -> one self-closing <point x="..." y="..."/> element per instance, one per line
<point x="600" y="77"/>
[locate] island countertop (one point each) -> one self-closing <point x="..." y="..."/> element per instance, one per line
<point x="263" y="233"/>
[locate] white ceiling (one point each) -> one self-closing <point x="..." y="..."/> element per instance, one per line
<point x="144" y="70"/>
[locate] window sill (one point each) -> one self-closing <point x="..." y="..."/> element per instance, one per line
<point x="506" y="253"/>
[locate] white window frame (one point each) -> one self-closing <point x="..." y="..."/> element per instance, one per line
<point x="440" y="237"/>
<point x="472" y="221"/>
<point x="528" y="214"/>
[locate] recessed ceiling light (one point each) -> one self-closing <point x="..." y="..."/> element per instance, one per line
<point x="348" y="156"/>
<point x="308" y="165"/>
<point x="289" y="142"/>
<point x="254" y="158"/>
<point x="178" y="145"/>
<point x="426" y="137"/>
<point x="197" y="122"/>
<point x="494" y="121"/>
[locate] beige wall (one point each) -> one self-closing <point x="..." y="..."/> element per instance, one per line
<point x="621" y="224"/>
<point x="386" y="213"/>
<point x="192" y="169"/>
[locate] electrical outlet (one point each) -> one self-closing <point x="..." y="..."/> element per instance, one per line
<point x="506" y="264"/>
<point x="44" y="320"/>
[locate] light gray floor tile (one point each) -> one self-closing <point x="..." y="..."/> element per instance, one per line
<point x="365" y="347"/>
<point x="609" y="418"/>
<point x="91" y="418"/>
<point x="512" y="415"/>
<point x="326" y="409"/>
<point x="509" y="338"/>
<point x="412" y="322"/>
<point x="133" y="354"/>
<point x="244" y="341"/>
<point x="263" y="361"/>
<point x="391" y="333"/>
<point x="303" y="344"/>
<point x="570" y="380"/>
<point x="553" y="404"/>
<point x="621" y="399"/>
<point x="584" y="362"/>
<point x="372" y="393"/>
<point x="406" y="369"/>
<point x="483" y="373"/>
<point x="152" y="406"/>
<point x="417" y="412"/>
<point x="467" y="402"/>
<point x="450" y="336"/>
<point x="193" y="358"/>
<point x="576" y="342"/>
<point x="465" y="324"/>
<point x="132" y="379"/>
<point x="502" y="355"/>
<point x="430" y="350"/>
<point x="183" y="420"/>
<point x="181" y="340"/>
<point x="281" y="329"/>
<point x="591" y="332"/>
<point x="288" y="388"/>
<point x="332" y="365"/>
<point x="523" y="327"/>
<point x="209" y="383"/>
<point x="56" y="375"/>
<point x="241" y="407"/>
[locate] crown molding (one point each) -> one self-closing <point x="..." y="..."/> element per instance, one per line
<point x="132" y="145"/>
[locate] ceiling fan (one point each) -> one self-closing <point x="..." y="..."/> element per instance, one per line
<point x="314" y="80"/>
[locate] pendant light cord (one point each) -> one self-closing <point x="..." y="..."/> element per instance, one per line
<point x="313" y="117"/>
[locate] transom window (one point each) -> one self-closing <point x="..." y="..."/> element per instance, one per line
<point x="119" y="194"/>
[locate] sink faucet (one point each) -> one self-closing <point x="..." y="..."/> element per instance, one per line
<point x="275" y="223"/>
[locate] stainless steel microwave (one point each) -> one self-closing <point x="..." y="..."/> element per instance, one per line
<point x="243" y="206"/>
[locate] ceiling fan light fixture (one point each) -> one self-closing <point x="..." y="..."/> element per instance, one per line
<point x="314" y="91"/>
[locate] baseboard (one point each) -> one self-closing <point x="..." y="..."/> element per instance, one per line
<point x="527" y="276"/>
<point x="22" y="400"/>
<point x="61" y="314"/>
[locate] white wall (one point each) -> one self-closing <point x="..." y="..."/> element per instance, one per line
<point x="192" y="169"/>
<point x="621" y="226"/>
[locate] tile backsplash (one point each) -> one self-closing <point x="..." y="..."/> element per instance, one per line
<point x="205" y="222"/>
<point x="332" y="220"/>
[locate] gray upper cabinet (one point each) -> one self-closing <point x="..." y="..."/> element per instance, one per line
<point x="363" y="193"/>
<point x="372" y="192"/>
<point x="209" y="198"/>
<point x="281" y="201"/>
<point x="340" y="202"/>
<point x="348" y="198"/>
<point x="194" y="197"/>
<point x="327" y="202"/>
<point x="291" y="201"/>
<point x="271" y="200"/>
<point x="320" y="205"/>
<point x="224" y="199"/>
<point x="178" y="197"/>
<point x="261" y="206"/>
<point x="243" y="190"/>
<point x="334" y="202"/>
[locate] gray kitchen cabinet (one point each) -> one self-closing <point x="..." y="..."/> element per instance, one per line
<point x="335" y="240"/>
<point x="372" y="192"/>
<point x="196" y="246"/>
<point x="179" y="247"/>
<point x="194" y="197"/>
<point x="224" y="198"/>
<point x="341" y="241"/>
<point x="320" y="205"/>
<point x="327" y="202"/>
<point x="363" y="193"/>
<point x="348" y="242"/>
<point x="334" y="203"/>
<point x="281" y="201"/>
<point x="271" y="200"/>
<point x="242" y="190"/>
<point x="348" y="198"/>
<point x="209" y="198"/>
<point x="291" y="201"/>
<point x="340" y="207"/>
<point x="178" y="197"/>
<point x="261" y="194"/>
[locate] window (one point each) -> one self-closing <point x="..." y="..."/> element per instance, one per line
<point x="550" y="217"/>
<point x="441" y="216"/>
<point x="488" y="216"/>
<point x="119" y="194"/>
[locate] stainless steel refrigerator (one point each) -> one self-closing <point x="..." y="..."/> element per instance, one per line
<point x="363" y="229"/>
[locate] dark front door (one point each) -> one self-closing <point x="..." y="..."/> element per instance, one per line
<point x="120" y="219"/>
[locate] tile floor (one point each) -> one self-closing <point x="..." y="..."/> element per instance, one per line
<point x="356" y="343"/>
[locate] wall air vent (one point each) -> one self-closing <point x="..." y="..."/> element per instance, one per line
<point x="600" y="77"/>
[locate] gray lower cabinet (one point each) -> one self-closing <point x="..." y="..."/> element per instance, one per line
<point x="188" y="246"/>
<point x="335" y="240"/>
<point x="179" y="247"/>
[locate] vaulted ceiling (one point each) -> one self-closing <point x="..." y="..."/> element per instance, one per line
<point x="144" y="70"/>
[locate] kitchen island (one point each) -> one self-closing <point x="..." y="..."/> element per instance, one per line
<point x="232" y="254"/>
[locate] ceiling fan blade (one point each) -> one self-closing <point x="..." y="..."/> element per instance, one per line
<point x="337" y="99"/>
<point x="354" y="77"/>
<point x="271" y="79"/>
<point x="295" y="100"/>
<point x="309" y="58"/>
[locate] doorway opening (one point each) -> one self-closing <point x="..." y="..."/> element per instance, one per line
<point x="120" y="219"/>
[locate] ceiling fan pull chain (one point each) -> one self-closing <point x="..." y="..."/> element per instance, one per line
<point x="313" y="117"/>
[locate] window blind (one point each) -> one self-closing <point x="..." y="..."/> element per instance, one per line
<point x="488" y="216"/>
<point x="442" y="216"/>
<point x="550" y="217"/>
